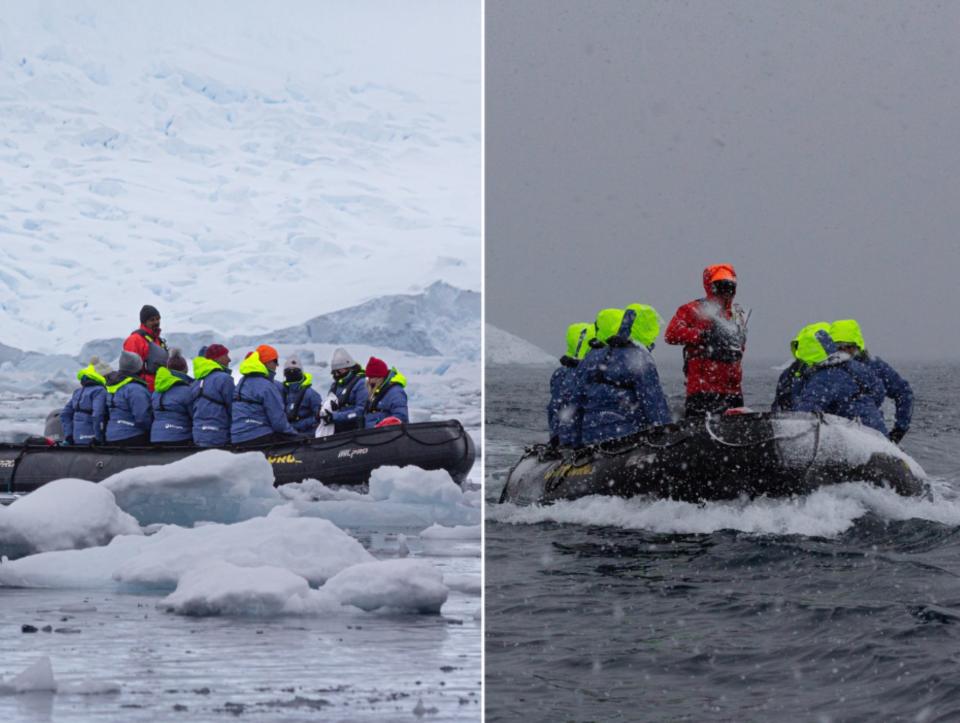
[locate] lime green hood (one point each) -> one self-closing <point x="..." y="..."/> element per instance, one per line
<point x="166" y="379"/>
<point x="646" y="325"/>
<point x="307" y="381"/>
<point x="809" y="349"/>
<point x="202" y="367"/>
<point x="113" y="389"/>
<point x="393" y="376"/>
<point x="90" y="373"/>
<point x="253" y="365"/>
<point x="608" y="323"/>
<point x="847" y="331"/>
<point x="577" y="349"/>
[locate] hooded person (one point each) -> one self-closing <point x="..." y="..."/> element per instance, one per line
<point x="84" y="417"/>
<point x="792" y="378"/>
<point x="350" y="389"/>
<point x="258" y="412"/>
<point x="129" y="412"/>
<point x="172" y="403"/>
<point x="836" y="383"/>
<point x="300" y="400"/>
<point x="145" y="342"/>
<point x="386" y="388"/>
<point x="713" y="333"/>
<point x="562" y="407"/>
<point x="212" y="391"/>
<point x="848" y="337"/>
<point x="618" y="387"/>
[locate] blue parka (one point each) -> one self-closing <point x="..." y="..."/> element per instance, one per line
<point x="893" y="386"/>
<point x="351" y="393"/>
<point x="844" y="387"/>
<point x="128" y="407"/>
<point x="562" y="415"/>
<point x="788" y="387"/>
<point x="257" y="404"/>
<point x="212" y="391"/>
<point x="172" y="404"/>
<point x="619" y="391"/>
<point x="85" y="415"/>
<point x="302" y="404"/>
<point x="388" y="400"/>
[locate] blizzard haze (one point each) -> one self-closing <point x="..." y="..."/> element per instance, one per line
<point x="243" y="166"/>
<point x="811" y="145"/>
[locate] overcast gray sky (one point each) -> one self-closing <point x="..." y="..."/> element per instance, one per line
<point x="813" y="145"/>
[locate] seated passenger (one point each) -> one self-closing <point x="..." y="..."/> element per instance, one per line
<point x="212" y="391"/>
<point x="387" y="394"/>
<point x="349" y="387"/>
<point x="300" y="400"/>
<point x="172" y="403"/>
<point x="258" y="412"/>
<point x="836" y="383"/>
<point x="618" y="387"/>
<point x="85" y="415"/>
<point x="791" y="378"/>
<point x="562" y="409"/>
<point x="130" y="415"/>
<point x="847" y="336"/>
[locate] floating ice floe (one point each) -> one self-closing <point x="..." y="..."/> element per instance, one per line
<point x="213" y="485"/>
<point x="62" y="515"/>
<point x="407" y="585"/>
<point x="38" y="678"/>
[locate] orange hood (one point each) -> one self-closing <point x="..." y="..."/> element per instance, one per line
<point x="717" y="272"/>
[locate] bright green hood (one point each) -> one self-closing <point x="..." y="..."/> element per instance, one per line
<point x="166" y="379"/>
<point x="202" y="367"/>
<point x="89" y="372"/>
<point x="253" y="365"/>
<point x="608" y="323"/>
<point x="577" y="345"/>
<point x="847" y="331"/>
<point x="113" y="389"/>
<point x="646" y="325"/>
<point x="307" y="381"/>
<point x="809" y="349"/>
<point x="393" y="376"/>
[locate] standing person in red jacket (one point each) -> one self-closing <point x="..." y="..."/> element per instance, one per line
<point x="713" y="332"/>
<point x="146" y="343"/>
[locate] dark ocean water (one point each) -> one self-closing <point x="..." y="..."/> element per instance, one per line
<point x="841" y="606"/>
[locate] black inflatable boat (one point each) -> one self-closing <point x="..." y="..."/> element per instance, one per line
<point x="343" y="459"/>
<point x="716" y="458"/>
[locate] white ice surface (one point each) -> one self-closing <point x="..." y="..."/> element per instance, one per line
<point x="407" y="585"/>
<point x="502" y="347"/>
<point x="63" y="515"/>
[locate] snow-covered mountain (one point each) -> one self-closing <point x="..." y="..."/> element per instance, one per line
<point x="502" y="347"/>
<point x="237" y="164"/>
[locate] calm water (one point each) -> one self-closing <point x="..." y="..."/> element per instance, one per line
<point x="753" y="619"/>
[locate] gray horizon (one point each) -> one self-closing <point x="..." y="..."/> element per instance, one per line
<point x="811" y="145"/>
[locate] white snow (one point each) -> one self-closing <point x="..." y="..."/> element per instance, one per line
<point x="228" y="147"/>
<point x="212" y="485"/>
<point x="407" y="585"/>
<point x="414" y="485"/>
<point x="63" y="515"/>
<point x="458" y="532"/>
<point x="37" y="678"/>
<point x="502" y="347"/>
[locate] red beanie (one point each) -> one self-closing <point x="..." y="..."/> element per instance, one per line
<point x="215" y="351"/>
<point x="376" y="368"/>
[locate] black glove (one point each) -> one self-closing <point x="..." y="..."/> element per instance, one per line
<point x="896" y="435"/>
<point x="326" y="416"/>
<point x="334" y="404"/>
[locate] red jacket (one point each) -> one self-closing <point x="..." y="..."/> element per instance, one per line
<point x="140" y="346"/>
<point x="707" y="370"/>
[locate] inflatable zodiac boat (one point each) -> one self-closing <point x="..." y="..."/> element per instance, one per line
<point x="717" y="458"/>
<point x="342" y="459"/>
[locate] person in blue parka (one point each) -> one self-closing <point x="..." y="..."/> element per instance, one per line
<point x="258" y="413"/>
<point x="172" y="403"/>
<point x="619" y="390"/>
<point x="847" y="336"/>
<point x="212" y="391"/>
<point x="300" y="400"/>
<point x="792" y="378"/>
<point x="562" y="408"/>
<point x="387" y="394"/>
<point x="130" y="415"/>
<point x="836" y="383"/>
<point x="85" y="416"/>
<point x="350" y="388"/>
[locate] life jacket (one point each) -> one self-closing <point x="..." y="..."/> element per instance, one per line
<point x="202" y="369"/>
<point x="394" y="379"/>
<point x="165" y="381"/>
<point x="293" y="407"/>
<point x="727" y="355"/>
<point x="157" y="354"/>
